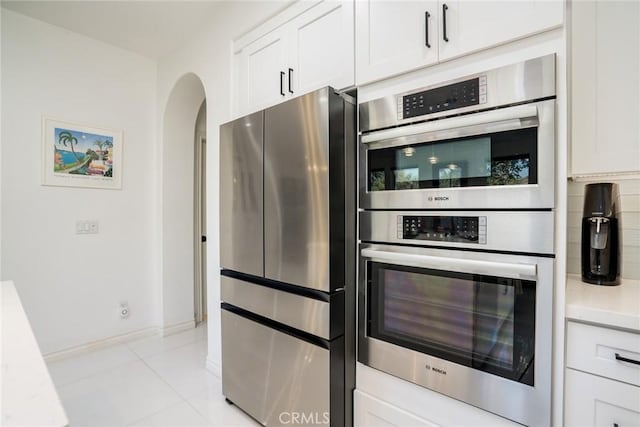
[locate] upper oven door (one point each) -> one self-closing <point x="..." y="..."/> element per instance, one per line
<point x="497" y="159"/>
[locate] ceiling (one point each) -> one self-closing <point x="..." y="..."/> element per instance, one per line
<point x="150" y="28"/>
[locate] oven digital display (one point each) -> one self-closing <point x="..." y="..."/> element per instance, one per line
<point x="460" y="229"/>
<point x="457" y="95"/>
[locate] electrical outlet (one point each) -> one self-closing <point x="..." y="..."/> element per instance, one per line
<point x="124" y="310"/>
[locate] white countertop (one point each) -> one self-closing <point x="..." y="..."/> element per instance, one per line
<point x="27" y="396"/>
<point x="614" y="306"/>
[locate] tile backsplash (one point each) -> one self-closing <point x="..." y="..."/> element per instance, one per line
<point x="628" y="219"/>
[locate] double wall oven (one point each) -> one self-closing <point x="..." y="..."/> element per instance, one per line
<point x="456" y="264"/>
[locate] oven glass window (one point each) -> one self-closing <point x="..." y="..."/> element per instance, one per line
<point x="483" y="322"/>
<point x="505" y="158"/>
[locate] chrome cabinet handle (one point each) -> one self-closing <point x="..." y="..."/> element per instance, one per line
<point x="444" y="22"/>
<point x="282" y="83"/>
<point x="624" y="359"/>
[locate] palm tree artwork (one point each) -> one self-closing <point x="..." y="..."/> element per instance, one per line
<point x="66" y="137"/>
<point x="86" y="153"/>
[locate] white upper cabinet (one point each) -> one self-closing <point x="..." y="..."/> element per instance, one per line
<point x="308" y="46"/>
<point x="605" y="87"/>
<point x="393" y="37"/>
<point x="261" y="77"/>
<point x="323" y="47"/>
<point x="474" y="25"/>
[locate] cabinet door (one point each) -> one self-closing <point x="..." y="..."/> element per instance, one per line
<point x="473" y="25"/>
<point x="605" y="88"/>
<point x="260" y="81"/>
<point x="321" y="51"/>
<point x="371" y="412"/>
<point x="591" y="400"/>
<point x="394" y="36"/>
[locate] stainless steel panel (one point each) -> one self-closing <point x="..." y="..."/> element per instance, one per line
<point x="529" y="80"/>
<point x="518" y="402"/>
<point x="531" y="196"/>
<point x="502" y="120"/>
<point x="272" y="375"/>
<point x="516" y="231"/>
<point x="297" y="191"/>
<point x="350" y="321"/>
<point x="306" y="314"/>
<point x="241" y="208"/>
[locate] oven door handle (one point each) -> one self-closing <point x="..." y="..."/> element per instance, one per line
<point x="519" y="117"/>
<point x="490" y="268"/>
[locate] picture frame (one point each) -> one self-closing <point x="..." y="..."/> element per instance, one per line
<point x="77" y="155"/>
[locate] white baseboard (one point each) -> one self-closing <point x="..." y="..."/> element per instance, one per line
<point x="214" y="367"/>
<point x="129" y="336"/>
<point x="94" y="345"/>
<point x="177" y="327"/>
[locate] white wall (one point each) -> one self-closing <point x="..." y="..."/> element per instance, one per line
<point x="71" y="284"/>
<point x="209" y="57"/>
<point x="0" y="142"/>
<point x="177" y="201"/>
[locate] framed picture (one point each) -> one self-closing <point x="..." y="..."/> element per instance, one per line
<point x="75" y="155"/>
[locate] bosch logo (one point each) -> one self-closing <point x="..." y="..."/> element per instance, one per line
<point x="436" y="370"/>
<point x="430" y="199"/>
<point x="438" y="199"/>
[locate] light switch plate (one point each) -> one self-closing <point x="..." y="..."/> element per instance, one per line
<point x="87" y="227"/>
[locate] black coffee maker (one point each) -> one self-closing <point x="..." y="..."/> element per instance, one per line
<point x="600" y="243"/>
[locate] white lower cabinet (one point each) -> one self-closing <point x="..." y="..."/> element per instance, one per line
<point x="591" y="400"/>
<point x="602" y="380"/>
<point x="369" y="411"/>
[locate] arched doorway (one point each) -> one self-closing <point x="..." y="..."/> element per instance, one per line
<point x="178" y="197"/>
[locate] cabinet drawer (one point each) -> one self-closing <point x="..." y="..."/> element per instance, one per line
<point x="593" y="349"/>
<point x="371" y="412"/>
<point x="595" y="401"/>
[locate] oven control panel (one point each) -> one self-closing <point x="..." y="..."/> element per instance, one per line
<point x="460" y="229"/>
<point x="456" y="95"/>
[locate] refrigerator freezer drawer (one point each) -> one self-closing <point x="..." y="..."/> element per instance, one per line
<point x="271" y="375"/>
<point x="324" y="319"/>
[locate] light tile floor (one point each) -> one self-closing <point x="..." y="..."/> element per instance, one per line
<point x="156" y="381"/>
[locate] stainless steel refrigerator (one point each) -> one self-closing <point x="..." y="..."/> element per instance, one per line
<point x="287" y="227"/>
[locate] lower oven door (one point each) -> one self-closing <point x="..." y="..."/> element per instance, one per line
<point x="474" y="326"/>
